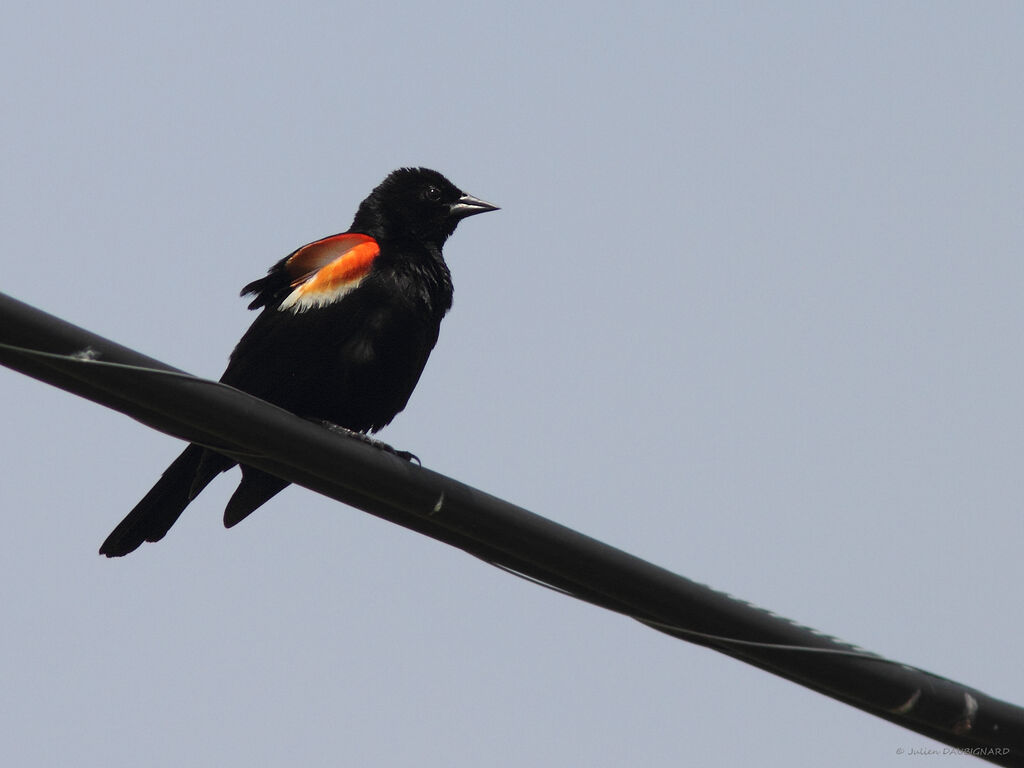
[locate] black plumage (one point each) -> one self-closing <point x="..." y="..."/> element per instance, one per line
<point x="346" y="327"/>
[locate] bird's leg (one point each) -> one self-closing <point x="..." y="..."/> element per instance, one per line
<point x="365" y="438"/>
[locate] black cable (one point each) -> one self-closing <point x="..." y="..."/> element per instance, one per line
<point x="500" y="533"/>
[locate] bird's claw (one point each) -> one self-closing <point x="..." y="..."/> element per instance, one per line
<point x="365" y="438"/>
<point x="407" y="455"/>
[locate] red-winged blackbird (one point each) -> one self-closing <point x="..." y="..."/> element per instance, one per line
<point x="347" y="325"/>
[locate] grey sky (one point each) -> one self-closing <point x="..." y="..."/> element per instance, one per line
<point x="751" y="310"/>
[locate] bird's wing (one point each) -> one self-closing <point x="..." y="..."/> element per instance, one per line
<point x="316" y="274"/>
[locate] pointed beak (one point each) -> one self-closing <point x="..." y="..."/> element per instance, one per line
<point x="467" y="205"/>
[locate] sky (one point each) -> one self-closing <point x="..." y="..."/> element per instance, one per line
<point x="751" y="310"/>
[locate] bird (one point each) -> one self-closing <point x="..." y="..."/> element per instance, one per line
<point x="346" y="325"/>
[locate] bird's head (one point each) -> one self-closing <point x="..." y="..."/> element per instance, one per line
<point x="416" y="203"/>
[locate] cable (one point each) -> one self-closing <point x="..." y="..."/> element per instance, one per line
<point x="500" y="533"/>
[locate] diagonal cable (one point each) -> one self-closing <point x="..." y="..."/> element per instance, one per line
<point x="500" y="533"/>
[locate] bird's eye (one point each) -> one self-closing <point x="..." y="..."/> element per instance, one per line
<point x="432" y="193"/>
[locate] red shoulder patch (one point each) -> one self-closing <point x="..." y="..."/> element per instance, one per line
<point x="324" y="271"/>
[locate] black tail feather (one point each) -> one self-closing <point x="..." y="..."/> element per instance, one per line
<point x="162" y="506"/>
<point x="255" y="490"/>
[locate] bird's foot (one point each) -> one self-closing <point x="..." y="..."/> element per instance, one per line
<point x="365" y="438"/>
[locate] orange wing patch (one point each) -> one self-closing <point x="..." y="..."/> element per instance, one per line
<point x="324" y="271"/>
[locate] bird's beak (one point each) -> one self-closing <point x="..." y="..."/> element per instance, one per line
<point x="467" y="205"/>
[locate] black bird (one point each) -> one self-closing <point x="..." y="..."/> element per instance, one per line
<point x="346" y="328"/>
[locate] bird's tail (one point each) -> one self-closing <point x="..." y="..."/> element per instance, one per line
<point x="162" y="506"/>
<point x="256" y="489"/>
